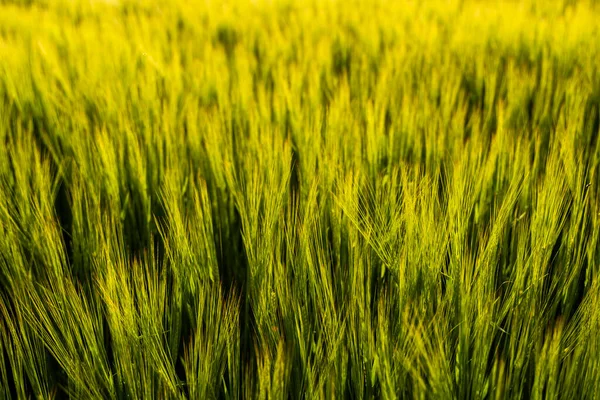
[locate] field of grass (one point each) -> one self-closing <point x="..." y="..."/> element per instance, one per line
<point x="299" y="199"/>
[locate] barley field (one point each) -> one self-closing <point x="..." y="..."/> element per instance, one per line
<point x="299" y="199"/>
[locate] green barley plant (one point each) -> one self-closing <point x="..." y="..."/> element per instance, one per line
<point x="299" y="199"/>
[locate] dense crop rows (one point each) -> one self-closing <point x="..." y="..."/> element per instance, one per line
<point x="299" y="199"/>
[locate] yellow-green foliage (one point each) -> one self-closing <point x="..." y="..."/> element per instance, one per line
<point x="299" y="199"/>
